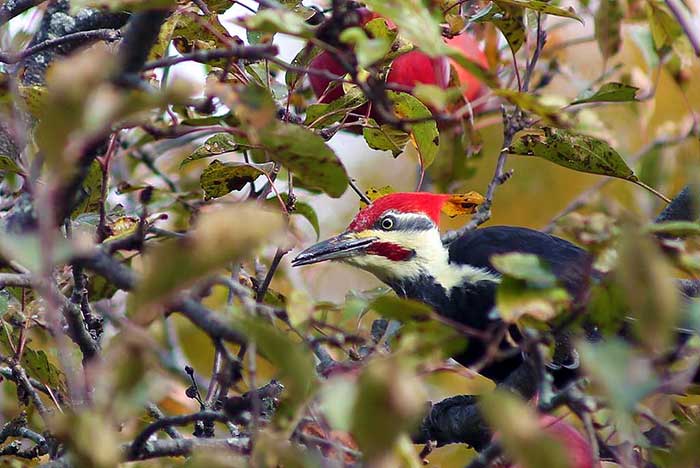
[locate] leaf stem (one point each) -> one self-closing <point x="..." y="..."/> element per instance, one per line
<point x="652" y="190"/>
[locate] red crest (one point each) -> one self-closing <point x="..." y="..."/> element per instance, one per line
<point x="429" y="204"/>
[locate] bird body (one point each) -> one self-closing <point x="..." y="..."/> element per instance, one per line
<point x="397" y="239"/>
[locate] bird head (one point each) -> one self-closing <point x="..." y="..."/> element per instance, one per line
<point x="396" y="236"/>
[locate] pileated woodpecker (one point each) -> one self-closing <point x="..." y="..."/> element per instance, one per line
<point x="397" y="239"/>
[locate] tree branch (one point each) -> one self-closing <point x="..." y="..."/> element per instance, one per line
<point x="12" y="9"/>
<point x="136" y="448"/>
<point x="690" y="31"/>
<point x="82" y="37"/>
<point x="252" y="52"/>
<point x="141" y="33"/>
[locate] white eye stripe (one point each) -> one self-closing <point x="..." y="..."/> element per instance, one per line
<point x="406" y="221"/>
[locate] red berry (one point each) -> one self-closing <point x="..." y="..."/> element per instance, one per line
<point x="416" y="67"/>
<point x="472" y="50"/>
<point x="321" y="85"/>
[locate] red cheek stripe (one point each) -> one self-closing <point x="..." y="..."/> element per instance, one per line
<point x="391" y="251"/>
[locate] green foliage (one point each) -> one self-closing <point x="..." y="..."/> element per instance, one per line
<point x="508" y="19"/>
<point x="215" y="145"/>
<point x="128" y="262"/>
<point x="219" y="179"/>
<point x="323" y="115"/>
<point x="578" y="152"/>
<point x="609" y="92"/>
<point x="607" y="27"/>
<point x="528" y="288"/>
<point x="177" y="263"/>
<point x="385" y="137"/>
<point x="424" y="135"/>
<point x="305" y="154"/>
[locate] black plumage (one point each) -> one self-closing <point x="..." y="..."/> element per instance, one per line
<point x="471" y="303"/>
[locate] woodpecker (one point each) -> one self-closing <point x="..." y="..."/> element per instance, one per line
<point x="397" y="239"/>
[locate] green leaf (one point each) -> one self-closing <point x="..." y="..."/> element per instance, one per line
<point x="608" y="19"/>
<point x="323" y="115"/>
<point x="379" y="29"/>
<point x="384" y="137"/>
<point x="277" y="21"/>
<point x="405" y="310"/>
<point x="415" y="22"/>
<point x="300" y="208"/>
<point x="218" y="6"/>
<point x="219" y="179"/>
<point x="551" y="115"/>
<point x="521" y="432"/>
<point x="516" y="300"/>
<point x="624" y="378"/>
<point x="368" y="51"/>
<point x="649" y="285"/>
<point x="542" y="7"/>
<point x="301" y="60"/>
<point x="194" y="32"/>
<point x="212" y="244"/>
<point x="528" y="288"/>
<point x="435" y="96"/>
<point x="35" y="363"/>
<point x="508" y="20"/>
<point x="307" y="156"/>
<point x="215" y="145"/>
<point x="294" y="363"/>
<point x="609" y="92"/>
<point x="423" y="135"/>
<point x="26" y="249"/>
<point x="90" y="194"/>
<point x="474" y="68"/>
<point x="252" y="104"/>
<point x="389" y="401"/>
<point x="428" y="339"/>
<point x="579" y="152"/>
<point x="7" y="164"/>
<point x="527" y="267"/>
<point x="664" y="27"/>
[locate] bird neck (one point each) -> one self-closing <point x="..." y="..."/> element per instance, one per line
<point x="429" y="267"/>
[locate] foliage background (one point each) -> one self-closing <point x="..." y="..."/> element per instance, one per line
<point x="143" y="356"/>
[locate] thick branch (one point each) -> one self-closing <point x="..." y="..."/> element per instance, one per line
<point x="137" y="446"/>
<point x="82" y="37"/>
<point x="77" y="329"/>
<point x="11" y="9"/>
<point x="15" y="280"/>
<point x="184" y="447"/>
<point x="141" y="33"/>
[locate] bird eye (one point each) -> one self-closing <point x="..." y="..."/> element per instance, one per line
<point x="387" y="223"/>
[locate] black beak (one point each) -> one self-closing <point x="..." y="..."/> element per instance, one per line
<point x="335" y="248"/>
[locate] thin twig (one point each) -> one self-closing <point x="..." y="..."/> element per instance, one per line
<point x="360" y="193"/>
<point x="690" y="31"/>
